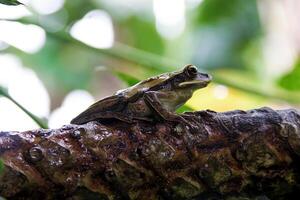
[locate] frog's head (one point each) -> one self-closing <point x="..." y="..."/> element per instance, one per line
<point x="190" y="77"/>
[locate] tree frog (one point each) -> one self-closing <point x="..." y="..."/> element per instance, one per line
<point x="155" y="98"/>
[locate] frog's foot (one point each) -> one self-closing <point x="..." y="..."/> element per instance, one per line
<point x="188" y="126"/>
<point x="194" y="129"/>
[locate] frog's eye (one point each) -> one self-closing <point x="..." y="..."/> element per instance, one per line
<point x="191" y="70"/>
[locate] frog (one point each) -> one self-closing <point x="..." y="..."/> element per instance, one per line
<point x="156" y="98"/>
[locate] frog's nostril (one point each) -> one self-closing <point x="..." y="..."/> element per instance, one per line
<point x="206" y="76"/>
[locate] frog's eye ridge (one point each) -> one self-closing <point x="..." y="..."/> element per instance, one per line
<point x="191" y="70"/>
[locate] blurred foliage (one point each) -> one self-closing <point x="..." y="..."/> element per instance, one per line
<point x="221" y="37"/>
<point x="57" y="65"/>
<point x="224" y="29"/>
<point x="137" y="31"/>
<point x="129" y="80"/>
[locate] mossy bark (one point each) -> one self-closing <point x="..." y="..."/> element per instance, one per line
<point x="233" y="155"/>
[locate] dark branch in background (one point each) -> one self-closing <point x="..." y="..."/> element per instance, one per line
<point x="234" y="155"/>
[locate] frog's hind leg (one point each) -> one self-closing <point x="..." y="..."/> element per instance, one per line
<point x="128" y="118"/>
<point x="147" y="119"/>
<point x="102" y="116"/>
<point x="115" y="115"/>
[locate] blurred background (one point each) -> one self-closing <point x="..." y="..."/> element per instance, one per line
<point x="59" y="56"/>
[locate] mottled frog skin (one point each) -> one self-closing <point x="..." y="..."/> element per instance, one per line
<point x="154" y="98"/>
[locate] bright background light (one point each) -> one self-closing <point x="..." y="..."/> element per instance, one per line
<point x="94" y="29"/>
<point x="28" y="38"/>
<point x="170" y="17"/>
<point x="13" y="12"/>
<point x="46" y="7"/>
<point x="220" y="91"/>
<point x="25" y="87"/>
<point x="13" y="119"/>
<point x="279" y="49"/>
<point x="74" y="103"/>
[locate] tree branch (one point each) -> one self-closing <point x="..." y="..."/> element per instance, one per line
<point x="233" y="155"/>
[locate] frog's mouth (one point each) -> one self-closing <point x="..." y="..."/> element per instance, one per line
<point x="201" y="80"/>
<point x="197" y="83"/>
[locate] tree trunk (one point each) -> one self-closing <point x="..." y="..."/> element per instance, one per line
<point x="233" y="155"/>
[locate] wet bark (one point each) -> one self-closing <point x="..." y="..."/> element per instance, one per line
<point x="232" y="155"/>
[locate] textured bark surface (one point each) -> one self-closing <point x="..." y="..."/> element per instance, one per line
<point x="234" y="155"/>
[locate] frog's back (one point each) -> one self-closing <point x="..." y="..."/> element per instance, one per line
<point x="143" y="86"/>
<point x="114" y="106"/>
<point x="99" y="109"/>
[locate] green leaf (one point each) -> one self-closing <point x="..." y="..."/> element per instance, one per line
<point x="291" y="80"/>
<point x="10" y="2"/>
<point x="3" y="91"/>
<point x="184" y="108"/>
<point x="211" y="11"/>
<point x="1" y="166"/>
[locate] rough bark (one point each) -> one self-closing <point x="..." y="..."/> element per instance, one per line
<point x="234" y="155"/>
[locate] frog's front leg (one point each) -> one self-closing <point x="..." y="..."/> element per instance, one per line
<point x="163" y="104"/>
